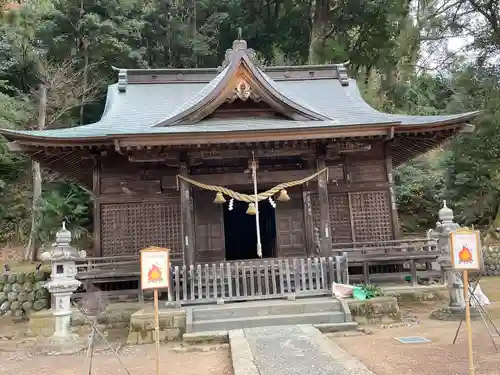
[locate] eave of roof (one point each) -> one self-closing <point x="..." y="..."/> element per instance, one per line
<point x="285" y="133"/>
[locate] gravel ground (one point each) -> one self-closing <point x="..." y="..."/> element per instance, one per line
<point x="139" y="360"/>
<point x="382" y="354"/>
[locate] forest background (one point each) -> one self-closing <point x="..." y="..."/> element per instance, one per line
<point x="56" y="59"/>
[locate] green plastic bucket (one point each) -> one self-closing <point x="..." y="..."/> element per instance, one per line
<point x="358" y="293"/>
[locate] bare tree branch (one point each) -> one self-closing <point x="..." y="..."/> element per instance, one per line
<point x="66" y="91"/>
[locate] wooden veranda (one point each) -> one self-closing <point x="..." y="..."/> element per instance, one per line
<point x="118" y="277"/>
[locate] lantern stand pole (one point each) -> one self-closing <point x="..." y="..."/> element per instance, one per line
<point x="257" y="223"/>
<point x="468" y="323"/>
<point x="157" y="329"/>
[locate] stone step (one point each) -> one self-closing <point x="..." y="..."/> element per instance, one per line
<point x="265" y="308"/>
<point x="271" y="320"/>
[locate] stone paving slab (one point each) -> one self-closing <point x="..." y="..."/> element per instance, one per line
<point x="291" y="350"/>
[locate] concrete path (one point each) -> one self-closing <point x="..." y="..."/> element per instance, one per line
<point x="290" y="350"/>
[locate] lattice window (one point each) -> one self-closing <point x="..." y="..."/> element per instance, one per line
<point x="127" y="228"/>
<point x="371" y="216"/>
<point x="340" y="221"/>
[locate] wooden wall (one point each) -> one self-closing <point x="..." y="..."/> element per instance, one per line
<point x="359" y="199"/>
<point x="290" y="226"/>
<point x="139" y="205"/>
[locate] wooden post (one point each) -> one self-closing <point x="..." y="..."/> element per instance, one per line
<point x="308" y="221"/>
<point x="157" y="330"/>
<point x="392" y="193"/>
<point x="324" y="209"/>
<point x="96" y="188"/>
<point x="467" y="321"/>
<point x="187" y="219"/>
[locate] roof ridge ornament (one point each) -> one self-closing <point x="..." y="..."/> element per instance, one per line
<point x="122" y="80"/>
<point x="232" y="53"/>
<point x="342" y="74"/>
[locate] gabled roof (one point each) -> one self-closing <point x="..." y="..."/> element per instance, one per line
<point x="241" y="79"/>
<point x="176" y="102"/>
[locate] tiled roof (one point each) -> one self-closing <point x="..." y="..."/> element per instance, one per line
<point x="142" y="106"/>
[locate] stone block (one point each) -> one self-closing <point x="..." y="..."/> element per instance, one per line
<point x="42" y="323"/>
<point x="206" y="337"/>
<point x="142" y="327"/>
<point x="179" y="321"/>
<point x="172" y="334"/>
<point x="375" y="311"/>
<point x="421" y="293"/>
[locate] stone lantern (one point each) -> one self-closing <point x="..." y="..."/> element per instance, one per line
<point x="62" y="283"/>
<point x="441" y="233"/>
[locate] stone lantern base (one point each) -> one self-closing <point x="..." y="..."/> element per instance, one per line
<point x="54" y="345"/>
<point x="449" y="314"/>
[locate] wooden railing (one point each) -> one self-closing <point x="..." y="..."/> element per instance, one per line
<point x="408" y="253"/>
<point x="228" y="281"/>
<point x="108" y="267"/>
<point x="251" y="280"/>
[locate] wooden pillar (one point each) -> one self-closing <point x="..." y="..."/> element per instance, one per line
<point x="96" y="189"/>
<point x="324" y="209"/>
<point x="308" y="221"/>
<point x="188" y="246"/>
<point x="392" y="191"/>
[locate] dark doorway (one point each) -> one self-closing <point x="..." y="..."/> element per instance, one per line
<point x="241" y="233"/>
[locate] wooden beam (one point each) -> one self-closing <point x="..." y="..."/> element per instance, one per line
<point x="15" y="146"/>
<point x="231" y="179"/>
<point x="196" y="138"/>
<point x="187" y="224"/>
<point x="246" y="153"/>
<point x="345" y="147"/>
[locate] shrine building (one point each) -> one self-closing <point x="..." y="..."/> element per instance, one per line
<point x="172" y="161"/>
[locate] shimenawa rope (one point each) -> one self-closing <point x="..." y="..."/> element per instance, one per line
<point x="251" y="198"/>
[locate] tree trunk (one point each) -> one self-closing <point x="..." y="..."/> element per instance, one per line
<point x="30" y="252"/>
<point x="318" y="25"/>
<point x="85" y="78"/>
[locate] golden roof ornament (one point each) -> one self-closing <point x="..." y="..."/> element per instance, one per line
<point x="243" y="90"/>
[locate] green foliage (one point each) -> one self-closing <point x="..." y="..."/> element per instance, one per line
<point x="420" y="189"/>
<point x="64" y="202"/>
